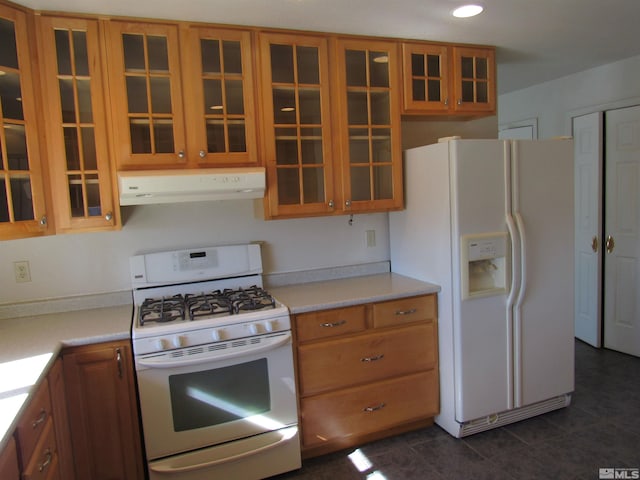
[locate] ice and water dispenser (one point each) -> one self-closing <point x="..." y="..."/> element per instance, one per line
<point x="484" y="265"/>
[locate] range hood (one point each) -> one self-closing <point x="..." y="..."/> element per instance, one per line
<point x="190" y="185"/>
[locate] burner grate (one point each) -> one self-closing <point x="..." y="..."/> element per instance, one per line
<point x="162" y="310"/>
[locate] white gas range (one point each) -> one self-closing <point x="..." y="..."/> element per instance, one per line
<point x="214" y="365"/>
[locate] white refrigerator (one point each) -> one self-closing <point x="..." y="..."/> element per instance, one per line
<point x="491" y="222"/>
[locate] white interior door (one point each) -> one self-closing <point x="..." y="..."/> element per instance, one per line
<point x="587" y="134"/>
<point x="622" y="221"/>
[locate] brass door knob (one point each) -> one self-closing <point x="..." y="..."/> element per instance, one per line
<point x="594" y="244"/>
<point x="611" y="244"/>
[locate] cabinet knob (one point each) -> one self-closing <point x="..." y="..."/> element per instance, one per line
<point x="181" y="154"/>
<point x="43" y="221"/>
<point x="109" y="216"/>
<point x="459" y="101"/>
<point x="202" y="153"/>
<point x="330" y="203"/>
<point x="347" y="203"/>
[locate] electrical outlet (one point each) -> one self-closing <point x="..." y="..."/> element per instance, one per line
<point x="371" y="238"/>
<point x="21" y="271"/>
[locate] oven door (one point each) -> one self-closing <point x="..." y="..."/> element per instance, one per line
<point x="201" y="396"/>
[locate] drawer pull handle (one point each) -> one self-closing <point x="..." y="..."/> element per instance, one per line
<point x="372" y="359"/>
<point x="334" y="324"/>
<point x="48" y="457"/>
<point x="406" y="312"/>
<point x="41" y="418"/>
<point x="373" y="409"/>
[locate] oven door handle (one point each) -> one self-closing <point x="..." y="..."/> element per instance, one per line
<point x="269" y="343"/>
<point x="286" y="436"/>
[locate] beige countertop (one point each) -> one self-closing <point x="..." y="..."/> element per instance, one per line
<point x="350" y="291"/>
<point x="30" y="345"/>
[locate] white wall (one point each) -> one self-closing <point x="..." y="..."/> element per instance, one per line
<point x="87" y="263"/>
<point x="553" y="103"/>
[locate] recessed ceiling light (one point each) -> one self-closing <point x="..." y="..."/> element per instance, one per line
<point x="467" y="11"/>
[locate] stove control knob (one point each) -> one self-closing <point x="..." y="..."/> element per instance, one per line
<point x="254" y="328"/>
<point x="178" y="341"/>
<point x="270" y="325"/>
<point x="215" y="335"/>
<point x="163" y="344"/>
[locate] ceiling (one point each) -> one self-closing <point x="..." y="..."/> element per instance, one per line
<point x="536" y="40"/>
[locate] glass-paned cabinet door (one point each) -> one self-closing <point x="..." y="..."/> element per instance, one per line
<point x="22" y="209"/>
<point x="146" y="92"/>
<point x="372" y="163"/>
<point x="297" y="125"/>
<point x="426" y="78"/>
<point x="76" y="124"/>
<point x="474" y="79"/>
<point x="221" y="97"/>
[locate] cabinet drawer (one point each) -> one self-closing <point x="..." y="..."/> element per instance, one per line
<point x="329" y="323"/>
<point x="43" y="464"/>
<point x="370" y="408"/>
<point x="370" y="357"/>
<point x="33" y="420"/>
<point x="405" y="310"/>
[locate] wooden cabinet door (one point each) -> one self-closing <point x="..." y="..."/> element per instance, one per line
<point x="22" y="201"/>
<point x="368" y="87"/>
<point x="146" y="95"/>
<point x="9" y="469"/>
<point x="425" y="70"/>
<point x="474" y="80"/>
<point x="297" y="125"/>
<point x="61" y="420"/>
<point x="76" y="124"/>
<point x="219" y="96"/>
<point x="104" y="423"/>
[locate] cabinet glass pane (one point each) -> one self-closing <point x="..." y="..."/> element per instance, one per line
<point x="481" y="68"/>
<point x="232" y="55"/>
<point x="467" y="91"/>
<point x="286" y="146"/>
<point x="433" y="87"/>
<point x="418" y="90"/>
<point x="359" y="145"/>
<point x="16" y="143"/>
<point x="433" y="65"/>
<point x="67" y="100"/>
<point x="380" y="108"/>
<point x="160" y="94"/>
<point x="133" y="47"/>
<point x="288" y="186"/>
<point x="163" y="135"/>
<point x="22" y="202"/>
<point x="8" y="52"/>
<point x="11" y="96"/>
<point x="80" y="53"/>
<point x="382" y="185"/>
<point x="311" y="146"/>
<point x="235" y="101"/>
<point x="466" y="67"/>
<point x="76" y="198"/>
<point x="158" y="54"/>
<point x="360" y="183"/>
<point x="417" y="65"/>
<point x="282" y="64"/>
<point x="137" y="95"/>
<point x="237" y="136"/>
<point x="212" y="96"/>
<point x="93" y="195"/>
<point x="140" y="132"/>
<point x="71" y="148"/>
<point x="84" y="101"/>
<point x="309" y="100"/>
<point x="357" y="108"/>
<point x="284" y="106"/>
<point x="89" y="154"/>
<point x="4" y="202"/>
<point x="308" y="65"/>
<point x="356" y="63"/>
<point x="482" y="94"/>
<point x="313" y="185"/>
<point x="379" y="69"/>
<point x="63" y="52"/>
<point x="215" y="136"/>
<point x="381" y="145"/>
<point x="210" y="53"/>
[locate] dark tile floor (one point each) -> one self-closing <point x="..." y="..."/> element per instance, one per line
<point x="600" y="429"/>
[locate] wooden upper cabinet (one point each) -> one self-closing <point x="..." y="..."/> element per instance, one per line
<point x="426" y="78"/>
<point x="146" y="95"/>
<point x="297" y="124"/>
<point x="474" y="80"/>
<point x="369" y="93"/>
<point x="76" y="124"/>
<point x="22" y="201"/>
<point x="219" y="96"/>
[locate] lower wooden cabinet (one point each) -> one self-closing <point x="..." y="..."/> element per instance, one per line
<point x="9" y="469"/>
<point x="366" y="372"/>
<point x="100" y="393"/>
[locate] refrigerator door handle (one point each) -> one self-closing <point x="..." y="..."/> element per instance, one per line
<point x="523" y="260"/>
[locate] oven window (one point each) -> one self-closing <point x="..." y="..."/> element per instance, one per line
<point x="220" y="395"/>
